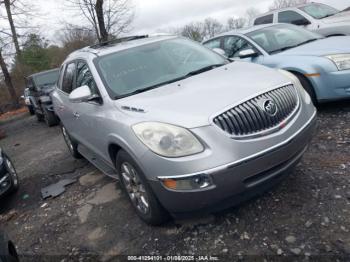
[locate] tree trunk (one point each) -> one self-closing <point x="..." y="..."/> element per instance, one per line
<point x="12" y="26"/>
<point x="101" y="22"/>
<point x="8" y="81"/>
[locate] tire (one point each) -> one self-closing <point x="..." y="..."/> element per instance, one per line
<point x="31" y="110"/>
<point x="50" y="118"/>
<point x="308" y="88"/>
<point x="71" y="144"/>
<point x="139" y="192"/>
<point x="39" y="117"/>
<point x="8" y="251"/>
<point x="13" y="175"/>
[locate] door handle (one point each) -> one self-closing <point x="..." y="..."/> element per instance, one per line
<point x="76" y="115"/>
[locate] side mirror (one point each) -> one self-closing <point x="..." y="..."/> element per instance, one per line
<point x="80" y="94"/>
<point x="31" y="88"/>
<point x="220" y="51"/>
<point x="301" y="22"/>
<point x="247" y="53"/>
<point x="22" y="97"/>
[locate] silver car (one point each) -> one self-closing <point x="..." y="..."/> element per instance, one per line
<point x="185" y="129"/>
<point x="320" y="18"/>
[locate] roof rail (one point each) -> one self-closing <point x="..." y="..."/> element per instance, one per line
<point x="117" y="41"/>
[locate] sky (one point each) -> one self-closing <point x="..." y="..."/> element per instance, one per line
<point x="156" y="15"/>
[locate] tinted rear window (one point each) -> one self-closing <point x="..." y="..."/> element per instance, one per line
<point x="268" y="19"/>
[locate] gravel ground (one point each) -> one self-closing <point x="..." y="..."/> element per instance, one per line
<point x="307" y="215"/>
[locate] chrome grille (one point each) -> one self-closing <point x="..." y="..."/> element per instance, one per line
<point x="258" y="115"/>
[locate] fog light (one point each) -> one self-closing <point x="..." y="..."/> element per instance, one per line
<point x="194" y="182"/>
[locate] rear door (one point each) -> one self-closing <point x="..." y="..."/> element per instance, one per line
<point x="63" y="107"/>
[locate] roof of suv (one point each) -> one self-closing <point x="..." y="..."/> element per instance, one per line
<point x="282" y="9"/>
<point x="118" y="45"/>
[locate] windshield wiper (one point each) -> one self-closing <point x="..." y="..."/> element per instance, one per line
<point x="192" y="73"/>
<point x="138" y="91"/>
<point x="328" y="15"/>
<point x="293" y="46"/>
<point x="203" y="69"/>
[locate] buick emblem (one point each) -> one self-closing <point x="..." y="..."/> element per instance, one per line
<point x="269" y="107"/>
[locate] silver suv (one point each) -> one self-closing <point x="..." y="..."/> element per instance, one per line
<point x="185" y="129"/>
<point x="316" y="17"/>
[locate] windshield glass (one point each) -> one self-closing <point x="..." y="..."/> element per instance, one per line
<point x="319" y="11"/>
<point x="151" y="65"/>
<point x="46" y="79"/>
<point x="282" y="37"/>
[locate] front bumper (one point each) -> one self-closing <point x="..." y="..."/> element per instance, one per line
<point x="332" y="85"/>
<point x="239" y="180"/>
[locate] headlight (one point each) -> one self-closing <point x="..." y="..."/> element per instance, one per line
<point x="167" y="140"/>
<point x="342" y="61"/>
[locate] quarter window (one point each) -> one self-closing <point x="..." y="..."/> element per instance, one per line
<point x="268" y="19"/>
<point x="84" y="77"/>
<point x="68" y="78"/>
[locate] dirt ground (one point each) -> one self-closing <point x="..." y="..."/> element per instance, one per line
<point x="308" y="214"/>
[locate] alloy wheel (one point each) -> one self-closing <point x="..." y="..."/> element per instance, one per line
<point x="134" y="187"/>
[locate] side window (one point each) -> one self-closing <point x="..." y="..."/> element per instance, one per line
<point x="84" y="77"/>
<point x="291" y="17"/>
<point x="267" y="19"/>
<point x="234" y="44"/>
<point x="216" y="43"/>
<point x="68" y="78"/>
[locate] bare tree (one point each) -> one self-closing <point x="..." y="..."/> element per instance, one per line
<point x="7" y="4"/>
<point x="106" y="17"/>
<point x="278" y="4"/>
<point x="8" y="80"/>
<point x="193" y="31"/>
<point x="211" y="27"/>
<point x="236" y="23"/>
<point x="251" y="13"/>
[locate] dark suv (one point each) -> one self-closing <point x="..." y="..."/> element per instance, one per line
<point x="40" y="86"/>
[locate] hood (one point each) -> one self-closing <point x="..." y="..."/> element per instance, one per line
<point x="324" y="46"/>
<point x="337" y="18"/>
<point x="193" y="101"/>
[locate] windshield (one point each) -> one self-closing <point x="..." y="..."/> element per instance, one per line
<point x="319" y="11"/>
<point x="46" y="79"/>
<point x="282" y="37"/>
<point x="152" y="65"/>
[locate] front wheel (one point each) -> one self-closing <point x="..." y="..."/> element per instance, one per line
<point x="308" y="88"/>
<point x="72" y="145"/>
<point x="13" y="174"/>
<point x="139" y="192"/>
<point x="31" y="110"/>
<point x="50" y="117"/>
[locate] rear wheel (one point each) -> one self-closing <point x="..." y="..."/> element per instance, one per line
<point x="308" y="88"/>
<point x="50" y="117"/>
<point x="139" y="192"/>
<point x="72" y="145"/>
